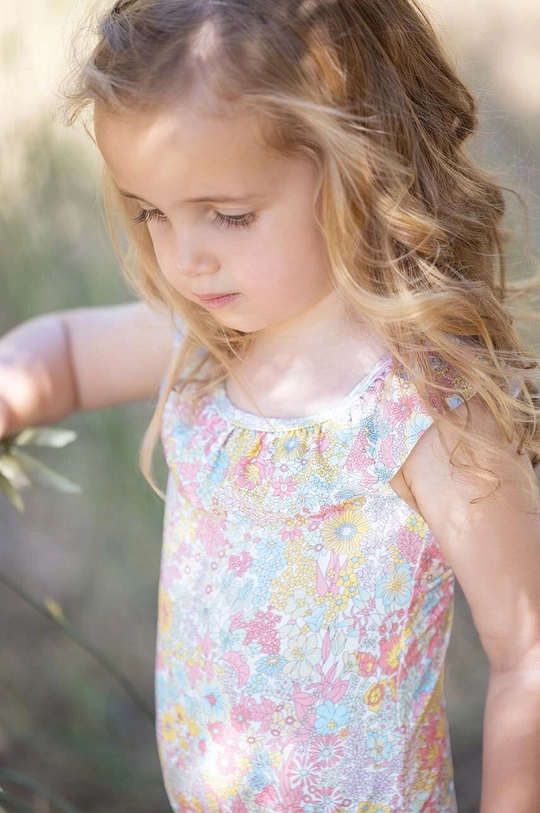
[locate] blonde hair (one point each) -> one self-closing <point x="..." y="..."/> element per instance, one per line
<point x="413" y="227"/>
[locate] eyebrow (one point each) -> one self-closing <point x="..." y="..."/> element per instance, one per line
<point x="208" y="199"/>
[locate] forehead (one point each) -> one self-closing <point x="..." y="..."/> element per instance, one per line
<point x="152" y="150"/>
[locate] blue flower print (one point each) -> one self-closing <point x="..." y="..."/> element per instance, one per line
<point x="395" y="587"/>
<point x="415" y="427"/>
<point x="256" y="684"/>
<point x="379" y="746"/>
<point x="454" y="401"/>
<point x="271" y="665"/>
<point x="213" y="702"/>
<point x="330" y="718"/>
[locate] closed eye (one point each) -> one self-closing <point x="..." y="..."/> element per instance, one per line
<point x="146" y="215"/>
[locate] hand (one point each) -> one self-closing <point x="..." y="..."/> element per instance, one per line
<point x="19" y="401"/>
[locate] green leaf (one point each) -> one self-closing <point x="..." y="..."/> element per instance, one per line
<point x="43" y="475"/>
<point x="12" y="470"/>
<point x="55" y="438"/>
<point x="11" y="494"/>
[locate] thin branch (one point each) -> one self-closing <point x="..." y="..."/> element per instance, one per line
<point x="53" y="611"/>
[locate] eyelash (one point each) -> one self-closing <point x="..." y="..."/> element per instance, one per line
<point x="244" y="221"/>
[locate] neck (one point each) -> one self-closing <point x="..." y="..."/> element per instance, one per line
<point x="317" y="332"/>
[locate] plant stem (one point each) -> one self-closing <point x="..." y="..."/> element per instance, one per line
<point x="82" y="642"/>
<point x="19" y="778"/>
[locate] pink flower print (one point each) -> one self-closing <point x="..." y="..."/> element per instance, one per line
<point x="238" y="806"/>
<point x="366" y="663"/>
<point x="215" y="730"/>
<point x="242" y="713"/>
<point x="409" y="544"/>
<point x="326" y="751"/>
<point x="387" y="453"/>
<point x="251" y="472"/>
<point x="240" y="564"/>
<point x="400" y="410"/>
<point x="290" y="534"/>
<point x="329" y="799"/>
<point x="390" y="652"/>
<point x="283" y="487"/>
<point x="262" y="629"/>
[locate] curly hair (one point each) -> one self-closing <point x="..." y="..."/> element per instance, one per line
<point x="412" y="225"/>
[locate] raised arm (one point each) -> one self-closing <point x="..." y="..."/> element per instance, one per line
<point x="82" y="359"/>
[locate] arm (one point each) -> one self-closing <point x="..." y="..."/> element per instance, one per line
<point x="81" y="359"/>
<point x="494" y="551"/>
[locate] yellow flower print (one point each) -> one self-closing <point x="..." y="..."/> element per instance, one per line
<point x="291" y="447"/>
<point x="344" y="532"/>
<point x="372" y="807"/>
<point x="374" y="696"/>
<point x="416" y="524"/>
<point x="193" y="728"/>
<point x="339" y="603"/>
<point x="348" y="579"/>
<point x="165" y="611"/>
<point x="168" y="726"/>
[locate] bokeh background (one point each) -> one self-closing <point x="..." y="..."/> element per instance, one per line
<point x="65" y="724"/>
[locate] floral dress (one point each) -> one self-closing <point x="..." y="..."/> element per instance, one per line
<point x="304" y="610"/>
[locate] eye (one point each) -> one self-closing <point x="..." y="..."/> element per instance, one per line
<point x="235" y="220"/>
<point x="145" y="215"/>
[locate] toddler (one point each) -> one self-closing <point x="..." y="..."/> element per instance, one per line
<point x="348" y="416"/>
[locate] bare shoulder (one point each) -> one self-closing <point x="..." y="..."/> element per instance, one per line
<point x="493" y="546"/>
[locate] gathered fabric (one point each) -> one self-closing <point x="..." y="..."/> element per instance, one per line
<point x="305" y="609"/>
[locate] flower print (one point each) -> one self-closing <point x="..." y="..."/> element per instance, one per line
<point x="291" y="447"/>
<point x="326" y="751"/>
<point x="296" y="604"/>
<point x="215" y="730"/>
<point x="284" y="719"/>
<point x="400" y="410"/>
<point x="379" y="746"/>
<point x="409" y="543"/>
<point x="304" y="770"/>
<point x="369" y="429"/>
<point x="256" y="684"/>
<point x="395" y="587"/>
<point x="390" y="654"/>
<point x="344" y="532"/>
<point x="290" y="530"/>
<point x="328" y="800"/>
<point x="417" y="524"/>
<point x="213" y="702"/>
<point x="372" y="807"/>
<point x="262" y="629"/>
<point x="271" y="665"/>
<point x="302" y="654"/>
<point x="330" y="718"/>
<point x="251" y="472"/>
<point x="283" y="486"/>
<point x="168" y="726"/>
<point x="415" y="426"/>
<point x="374" y="696"/>
<point x="242" y="713"/>
<point x="240" y="564"/>
<point x="366" y="663"/>
<point x="165" y="611"/>
<point x="348" y="579"/>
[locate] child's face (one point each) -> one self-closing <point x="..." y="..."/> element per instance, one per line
<point x="274" y="259"/>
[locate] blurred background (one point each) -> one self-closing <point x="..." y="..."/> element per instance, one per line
<point x="65" y="722"/>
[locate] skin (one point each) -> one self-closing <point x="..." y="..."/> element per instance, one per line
<point x="276" y="259"/>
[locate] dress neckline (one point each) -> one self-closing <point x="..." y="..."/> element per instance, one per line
<point x="250" y="420"/>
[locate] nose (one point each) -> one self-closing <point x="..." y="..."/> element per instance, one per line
<point x="190" y="258"/>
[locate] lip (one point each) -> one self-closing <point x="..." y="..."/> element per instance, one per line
<point x="216" y="300"/>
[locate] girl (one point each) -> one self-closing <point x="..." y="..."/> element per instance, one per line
<point x="348" y="416"/>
